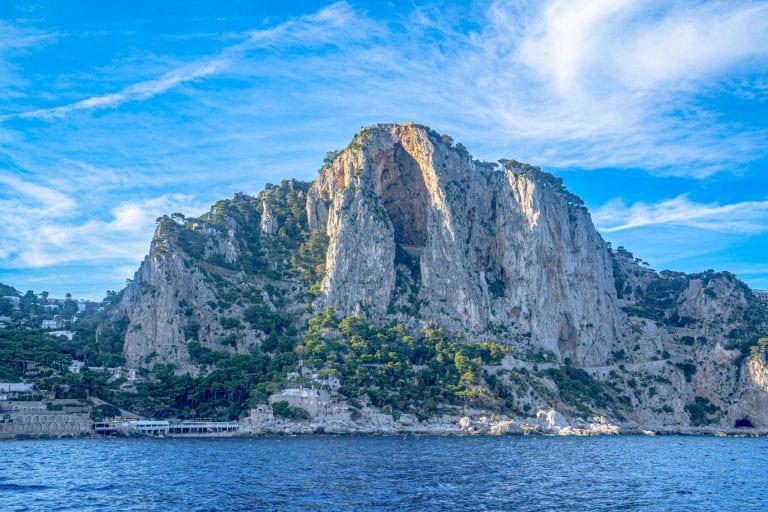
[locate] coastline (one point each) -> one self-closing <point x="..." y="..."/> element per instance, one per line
<point x="683" y="432"/>
<point x="464" y="427"/>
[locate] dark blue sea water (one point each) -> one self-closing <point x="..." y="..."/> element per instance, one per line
<point x="386" y="473"/>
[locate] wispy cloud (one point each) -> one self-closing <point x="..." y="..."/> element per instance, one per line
<point x="135" y="92"/>
<point x="749" y="217"/>
<point x="46" y="201"/>
<point x="590" y="47"/>
<point x="588" y="83"/>
<point x="607" y="83"/>
<point x="15" y="41"/>
<point x="314" y="29"/>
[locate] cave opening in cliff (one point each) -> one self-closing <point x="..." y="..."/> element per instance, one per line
<point x="399" y="183"/>
<point x="743" y="423"/>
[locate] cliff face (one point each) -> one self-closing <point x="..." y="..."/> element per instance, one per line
<point x="205" y="276"/>
<point x="404" y="226"/>
<point x="473" y="244"/>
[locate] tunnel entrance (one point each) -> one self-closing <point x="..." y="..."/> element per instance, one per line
<point x="399" y="183"/>
<point x="743" y="423"/>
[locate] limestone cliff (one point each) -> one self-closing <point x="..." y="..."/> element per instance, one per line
<point x="472" y="248"/>
<point x="404" y="226"/>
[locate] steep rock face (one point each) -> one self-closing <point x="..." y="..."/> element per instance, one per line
<point x="157" y="322"/>
<point x="752" y="404"/>
<point x="207" y="280"/>
<point x="481" y="239"/>
<point x="689" y="335"/>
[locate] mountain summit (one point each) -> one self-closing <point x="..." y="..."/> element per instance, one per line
<point x="403" y="227"/>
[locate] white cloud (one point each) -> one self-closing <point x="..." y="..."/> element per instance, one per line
<point x="693" y="43"/>
<point x="568" y="39"/>
<point x="41" y="241"/>
<point x="749" y="217"/>
<point x="134" y="92"/>
<point x="616" y="83"/>
<point x="594" y="46"/>
<point x="136" y="217"/>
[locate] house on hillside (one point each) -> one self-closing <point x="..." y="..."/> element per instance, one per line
<point x="314" y="401"/>
<point x="55" y="323"/>
<point x="76" y="366"/>
<point x="12" y="390"/>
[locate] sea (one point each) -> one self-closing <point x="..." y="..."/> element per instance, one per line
<point x="329" y="473"/>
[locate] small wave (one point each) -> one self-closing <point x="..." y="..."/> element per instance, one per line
<point x="21" y="487"/>
<point x="105" y="487"/>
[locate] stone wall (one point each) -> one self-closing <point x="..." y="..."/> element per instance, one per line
<point x="48" y="424"/>
<point x="33" y="419"/>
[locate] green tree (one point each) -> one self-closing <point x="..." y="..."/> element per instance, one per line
<point x="28" y="303"/>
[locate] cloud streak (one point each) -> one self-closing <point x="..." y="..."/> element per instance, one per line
<point x="747" y="218"/>
<point x="135" y="92"/>
<point x="47" y="201"/>
<point x="311" y="29"/>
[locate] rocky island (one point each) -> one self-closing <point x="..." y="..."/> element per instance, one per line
<point x="412" y="288"/>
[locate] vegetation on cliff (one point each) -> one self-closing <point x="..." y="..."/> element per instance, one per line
<point x="388" y="368"/>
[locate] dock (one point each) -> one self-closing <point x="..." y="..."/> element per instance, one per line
<point x="164" y="428"/>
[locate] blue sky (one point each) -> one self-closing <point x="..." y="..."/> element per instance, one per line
<point x="113" y="113"/>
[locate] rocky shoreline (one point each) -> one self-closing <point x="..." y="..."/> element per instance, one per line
<point x="309" y="429"/>
<point x="547" y="422"/>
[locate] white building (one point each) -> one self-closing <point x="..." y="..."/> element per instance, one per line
<point x="149" y="427"/>
<point x="68" y="334"/>
<point x="76" y="366"/>
<point x="56" y="323"/>
<point x="15" y="387"/>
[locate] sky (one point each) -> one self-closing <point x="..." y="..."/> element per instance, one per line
<point x="114" y="113"/>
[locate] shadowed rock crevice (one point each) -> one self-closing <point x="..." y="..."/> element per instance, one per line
<point x="567" y="342"/>
<point x="399" y="183"/>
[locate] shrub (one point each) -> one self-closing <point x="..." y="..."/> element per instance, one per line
<point x="284" y="410"/>
<point x="699" y="411"/>
<point x="689" y="370"/>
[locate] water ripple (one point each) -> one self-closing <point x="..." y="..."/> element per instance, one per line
<point x="385" y="473"/>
